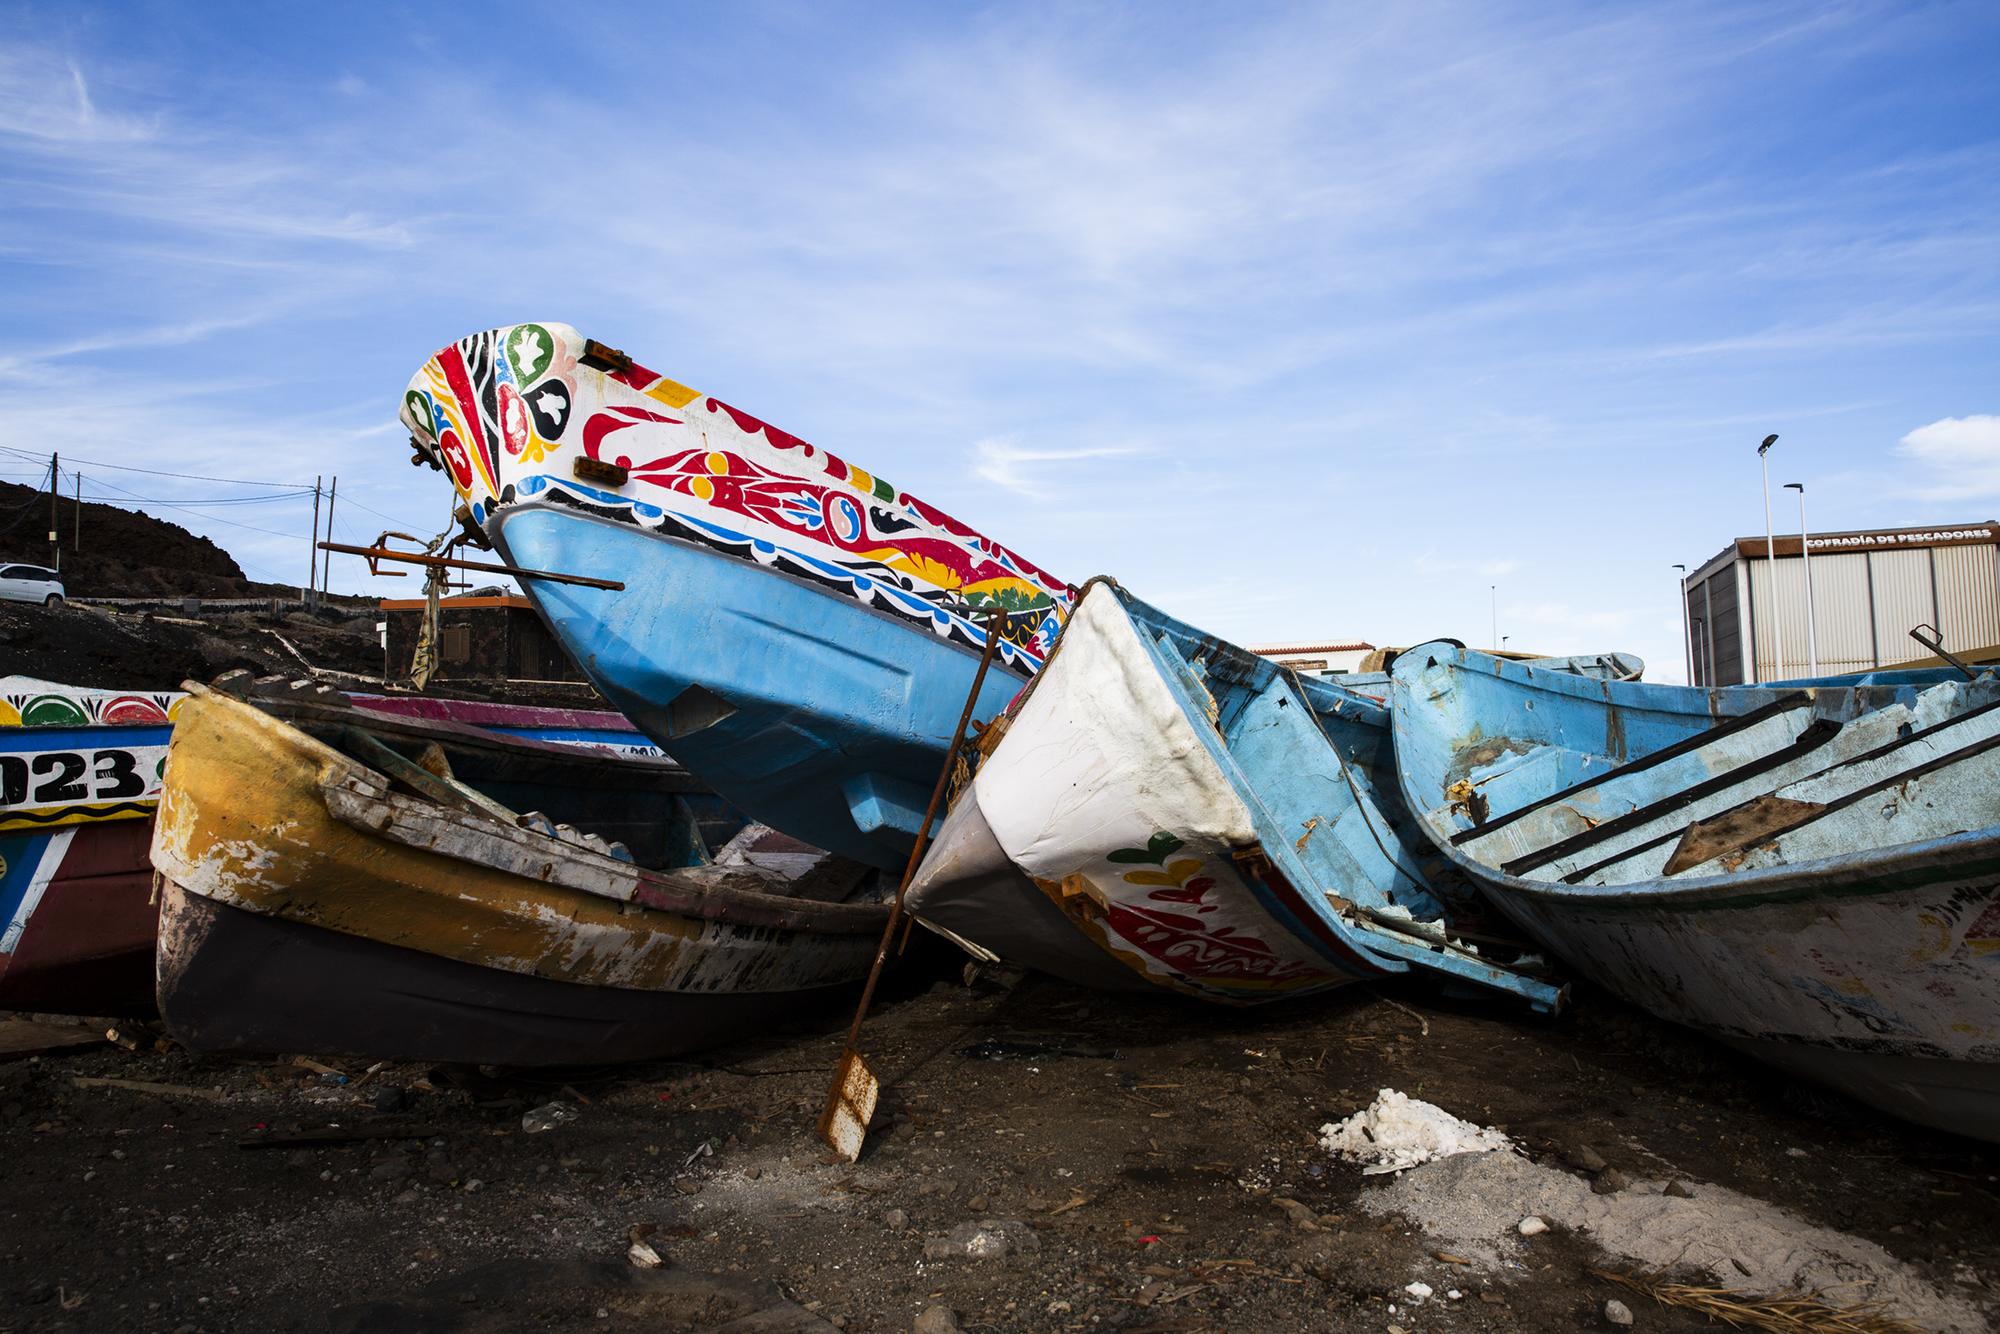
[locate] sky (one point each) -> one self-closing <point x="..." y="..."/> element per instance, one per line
<point x="1379" y="322"/>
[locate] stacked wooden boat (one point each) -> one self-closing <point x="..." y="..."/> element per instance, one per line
<point x="1805" y="871"/>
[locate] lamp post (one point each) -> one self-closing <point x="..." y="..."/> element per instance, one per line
<point x="1771" y="559"/>
<point x="1494" y="590"/>
<point x="1805" y="562"/>
<point x="1687" y="641"/>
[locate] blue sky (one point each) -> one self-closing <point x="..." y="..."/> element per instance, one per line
<point x="1303" y="321"/>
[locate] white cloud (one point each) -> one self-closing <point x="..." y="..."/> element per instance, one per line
<point x="1960" y="457"/>
<point x="998" y="459"/>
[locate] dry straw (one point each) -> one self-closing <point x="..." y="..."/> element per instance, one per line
<point x="1785" y="1313"/>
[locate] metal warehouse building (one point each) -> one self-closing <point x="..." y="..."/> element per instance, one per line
<point x="1869" y="590"/>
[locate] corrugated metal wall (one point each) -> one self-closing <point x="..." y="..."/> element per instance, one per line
<point x="1902" y="600"/>
<point x="1791" y="610"/>
<point x="1845" y="633"/>
<point x="1968" y="590"/>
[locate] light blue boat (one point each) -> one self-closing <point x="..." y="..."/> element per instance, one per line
<point x="1166" y="809"/>
<point x="794" y="630"/>
<point x="817" y="715"/>
<point x="1808" y="870"/>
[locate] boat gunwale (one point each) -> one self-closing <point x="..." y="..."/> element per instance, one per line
<point x="660" y="891"/>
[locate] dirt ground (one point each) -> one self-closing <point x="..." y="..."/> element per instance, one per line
<point x="1127" y="1156"/>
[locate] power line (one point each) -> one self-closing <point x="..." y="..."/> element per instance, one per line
<point x="249" y="527"/>
<point x="160" y="472"/>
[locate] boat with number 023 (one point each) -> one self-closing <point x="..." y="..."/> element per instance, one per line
<point x="79" y="781"/>
<point x="1808" y="871"/>
<point x="798" y="632"/>
<point x="1164" y="809"/>
<point x="334" y="883"/>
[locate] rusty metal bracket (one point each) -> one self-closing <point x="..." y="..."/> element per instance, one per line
<point x="378" y="553"/>
<point x="1935" y="643"/>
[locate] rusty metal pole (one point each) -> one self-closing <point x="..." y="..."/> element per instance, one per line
<point x="842" y="1096"/>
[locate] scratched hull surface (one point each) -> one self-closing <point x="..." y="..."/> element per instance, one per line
<point x="1815" y="878"/>
<point x="813" y="712"/>
<point x="451" y="912"/>
<point x="796" y="630"/>
<point x="1184" y="808"/>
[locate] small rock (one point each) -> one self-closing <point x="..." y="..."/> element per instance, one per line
<point x="547" y="1117"/>
<point x="391" y="1099"/>
<point x="987" y="1239"/>
<point x="896" y="1220"/>
<point x="396" y="1169"/>
<point x="936" y="1320"/>
<point x="1609" y="1182"/>
<point x="1531" y="1226"/>
<point x="1583" y="1158"/>
<point x="1303" y="1219"/>
<point x="1678" y="1189"/>
<point x="1419" y="1291"/>
<point x="643" y="1256"/>
<point x="687" y="1185"/>
<point x="1617" y="1312"/>
<point x="978" y="1204"/>
<point x="474" y="1186"/>
<point x="753" y="1171"/>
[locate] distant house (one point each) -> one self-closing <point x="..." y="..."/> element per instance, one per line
<point x="481" y="636"/>
<point x="1332" y="659"/>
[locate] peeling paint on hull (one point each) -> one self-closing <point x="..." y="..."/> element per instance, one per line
<point x="1815" y="879"/>
<point x="258" y="820"/>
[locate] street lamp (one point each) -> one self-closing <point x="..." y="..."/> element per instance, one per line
<point x="1805" y="561"/>
<point x="1771" y="559"/>
<point x="1687" y="642"/>
<point x="1494" y="589"/>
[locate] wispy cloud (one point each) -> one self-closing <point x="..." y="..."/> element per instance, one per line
<point x="1004" y="462"/>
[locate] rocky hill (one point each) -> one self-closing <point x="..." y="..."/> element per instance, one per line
<point x="123" y="553"/>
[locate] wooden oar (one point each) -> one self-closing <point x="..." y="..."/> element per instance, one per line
<point x="850" y="1103"/>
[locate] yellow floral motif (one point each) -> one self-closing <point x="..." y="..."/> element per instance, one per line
<point x="934" y="573"/>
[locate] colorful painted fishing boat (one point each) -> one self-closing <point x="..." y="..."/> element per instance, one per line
<point x="799" y="633"/>
<point x="349" y="891"/>
<point x="1810" y="873"/>
<point x="1164" y="809"/>
<point x="79" y="780"/>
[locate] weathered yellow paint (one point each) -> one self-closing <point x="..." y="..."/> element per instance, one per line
<point x="671" y="392"/>
<point x="242" y="821"/>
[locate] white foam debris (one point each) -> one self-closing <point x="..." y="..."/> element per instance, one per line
<point x="1418" y="1290"/>
<point x="1397" y="1131"/>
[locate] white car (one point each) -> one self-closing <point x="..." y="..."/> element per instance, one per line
<point x="31" y="583"/>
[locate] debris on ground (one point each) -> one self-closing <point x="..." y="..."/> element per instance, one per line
<point x="1396" y="1132"/>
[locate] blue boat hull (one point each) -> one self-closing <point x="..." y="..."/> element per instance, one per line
<point x="808" y="710"/>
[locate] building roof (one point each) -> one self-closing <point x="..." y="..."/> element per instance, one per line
<point x="1294" y="650"/>
<point x="1983" y="532"/>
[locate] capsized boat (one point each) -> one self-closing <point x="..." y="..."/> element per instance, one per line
<point x="1164" y="809"/>
<point x="1810" y="872"/>
<point x="798" y="632"/>
<point x="346" y="891"/>
<point x="79" y="781"/>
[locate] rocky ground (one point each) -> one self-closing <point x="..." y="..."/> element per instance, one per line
<point x="1046" y="1158"/>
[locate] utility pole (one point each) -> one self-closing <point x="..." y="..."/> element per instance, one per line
<point x="55" y="489"/>
<point x="312" y="562"/>
<point x="326" y="570"/>
<point x="77" y="544"/>
<point x="1805" y="566"/>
